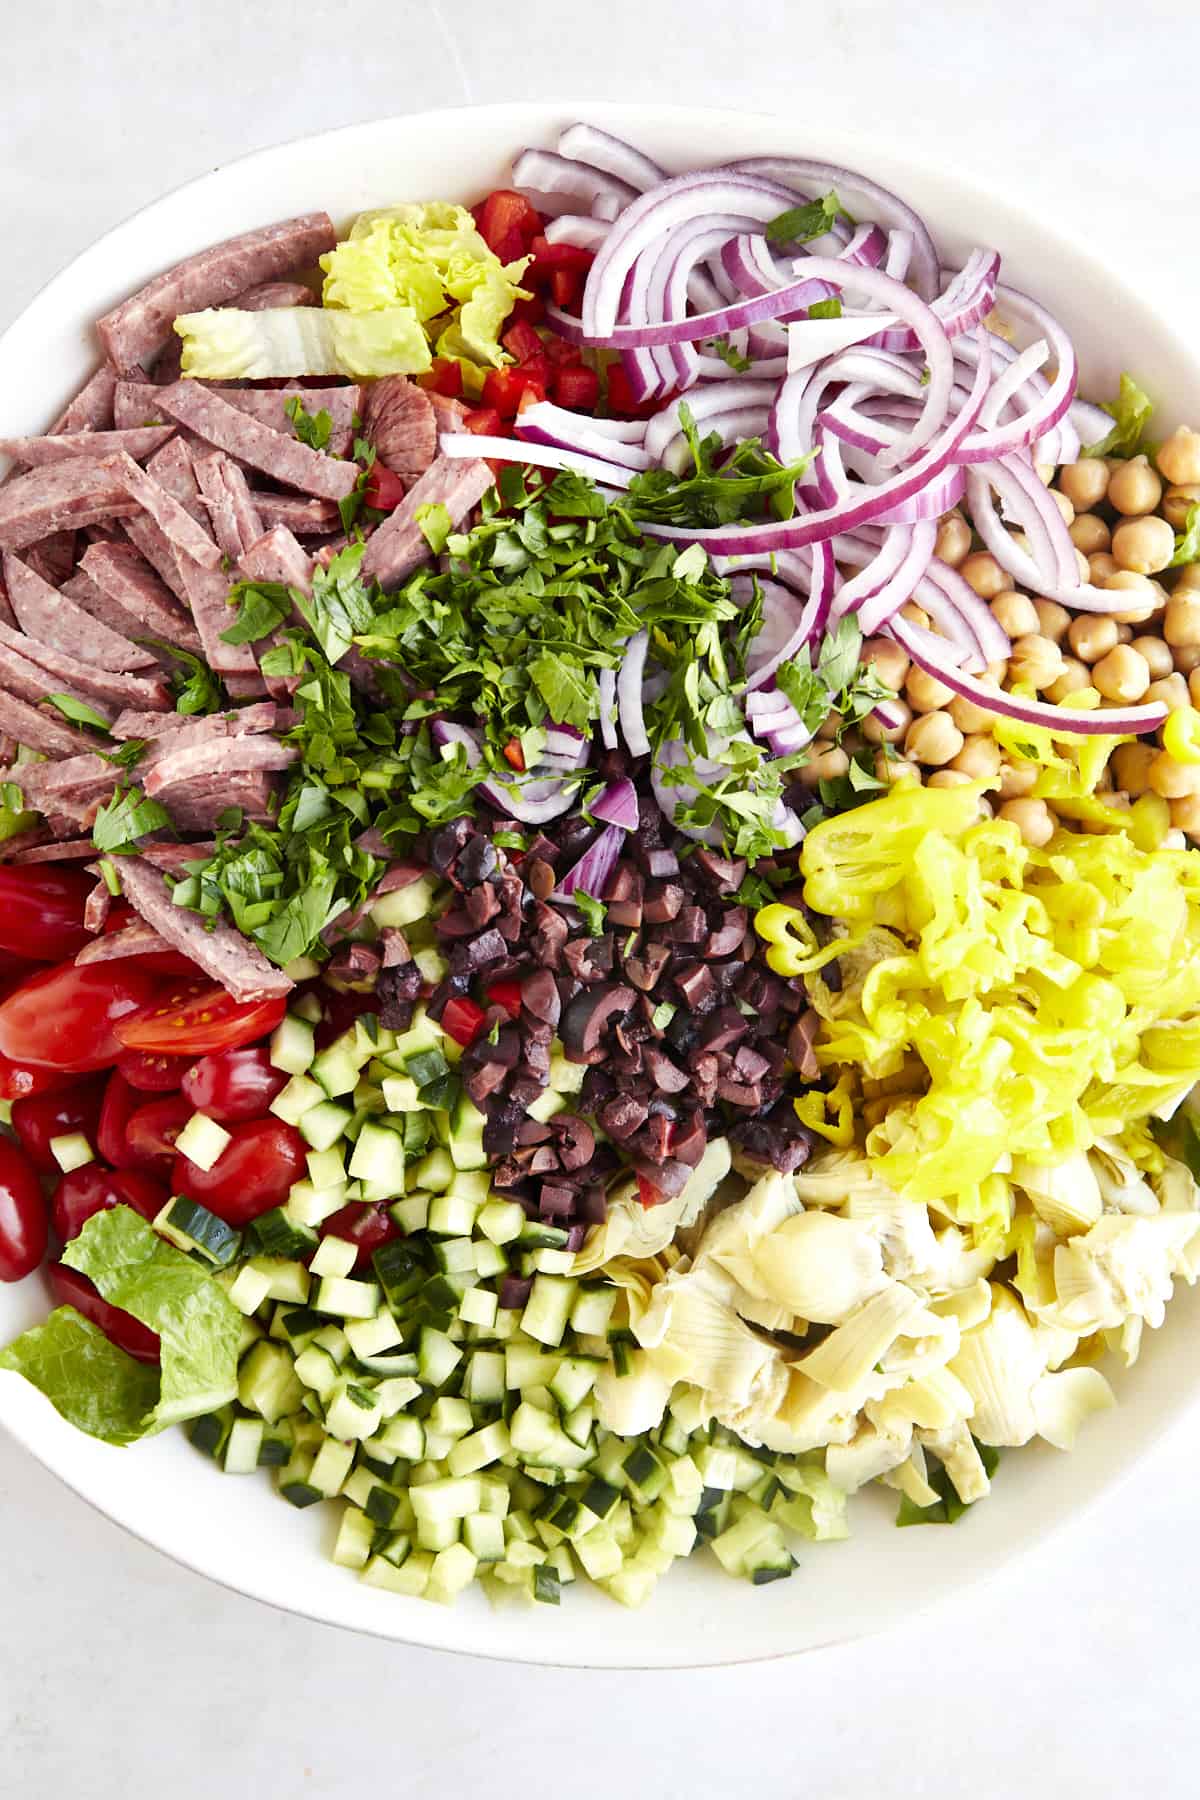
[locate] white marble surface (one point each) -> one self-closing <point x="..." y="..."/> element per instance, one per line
<point x="1075" y="1674"/>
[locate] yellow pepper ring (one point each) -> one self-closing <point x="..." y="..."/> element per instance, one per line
<point x="1181" y="735"/>
<point x="775" y="924"/>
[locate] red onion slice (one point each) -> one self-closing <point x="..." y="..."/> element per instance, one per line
<point x="629" y="694"/>
<point x="586" y="143"/>
<point x="539" y="456"/>
<point x="558" y="429"/>
<point x="591" y="874"/>
<point x="897" y="587"/>
<point x="617" y="805"/>
<point x="606" y="683"/>
<point x="584" y="233"/>
<point x="546" y="172"/>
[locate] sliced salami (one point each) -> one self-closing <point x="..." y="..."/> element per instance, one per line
<point x="270" y="294"/>
<point x="221" y="951"/>
<point x="56" y="620"/>
<point x="176" y="768"/>
<point x="39" y="452"/>
<point x="276" y="455"/>
<point x="101" y="687"/>
<point x="398" y="546"/>
<point x="62" y="497"/>
<point x="138" y="939"/>
<point x="125" y="581"/>
<point x="401" y="425"/>
<point x="34" y="727"/>
<point x="92" y="407"/>
<point x="226" y="493"/>
<point x="172" y="519"/>
<point x="303" y="518"/>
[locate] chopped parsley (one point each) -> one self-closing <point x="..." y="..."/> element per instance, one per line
<point x="262" y="607"/>
<point x="78" y="712"/>
<point x="733" y="359"/>
<point x="801" y="224"/>
<point x="825" y="309"/>
<point x="1131" y="413"/>
<point x="591" y="911"/>
<point x="196" y="688"/>
<point x="313" y="429"/>
<point x="125" y="818"/>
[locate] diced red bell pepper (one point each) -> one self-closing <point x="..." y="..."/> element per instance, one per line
<point x="529" y="312"/>
<point x="514" y="756"/>
<point x="506" y="994"/>
<point x="548" y="257"/>
<point x="484" y="421"/>
<point x="463" y="1020"/>
<point x="561" y="354"/>
<point x="383" y="490"/>
<point x="522" y="341"/>
<point x="577" y="387"/>
<point x="620" y="393"/>
<point x="506" y="218"/>
<point x="503" y="389"/>
<point x="443" y="376"/>
<point x="566" y="285"/>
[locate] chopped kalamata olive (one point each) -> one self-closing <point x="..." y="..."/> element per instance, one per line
<point x="750" y="1065"/>
<point x="598" y="1084"/>
<point x="725" y="873"/>
<point x="544" y="1160"/>
<point x="729" y="935"/>
<point x="690" y="1140"/>
<point x="481" y="905"/>
<point x="483" y="1082"/>
<point x="454" y="924"/>
<point x="688" y="927"/>
<point x="393" y="947"/>
<point x="666" y="1076"/>
<point x="468" y="958"/>
<point x="740" y="1093"/>
<point x="549" y="936"/>
<point x="801" y="1039"/>
<point x="661" y="902"/>
<point x="622" y="1116"/>
<point x="776" y="1141"/>
<point x="627" y="913"/>
<point x="537" y="1060"/>
<point x="669" y="1177"/>
<point x="445" y="844"/>
<point x="514" y="1292"/>
<point x="576" y="1140"/>
<point x="831" y="975"/>
<point x="555" y="1199"/>
<point x="654" y="1139"/>
<point x="587" y="1019"/>
<point x="704" y="1078"/>
<point x="539" y="996"/>
<point x="533" y="1131"/>
<point x="696" y="985"/>
<point x="722" y="1028"/>
<point x="645" y="968"/>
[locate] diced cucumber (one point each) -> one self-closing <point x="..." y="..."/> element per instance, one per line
<point x="489" y="1260"/>
<point x="483" y="1534"/>
<point x="551" y="1262"/>
<point x="432" y="965"/>
<point x="547" y="1105"/>
<point x="322" y="1125"/>
<point x="370" y="1337"/>
<point x="278" y="1235"/>
<point x="483" y="1384"/>
<point x="466" y="1135"/>
<point x="191" y="1227"/>
<point x="202" y="1140"/>
<point x="533" y="1432"/>
<point x="242" y="1446"/>
<point x="477" y="1307"/>
<point x="347" y="1299"/>
<point x="527" y="1366"/>
<point x="356" y="1534"/>
<point x="548" y="1307"/>
<point x="450" y="1417"/>
<point x="411" y="1213"/>
<point x="292" y="1045"/>
<point x="73" y="1151"/>
<point x="249" y="1288"/>
<point x="307" y="1207"/>
<point x="210" y="1432"/>
<point x="331" y="1466"/>
<point x="573" y="1380"/>
<point x="600" y="1554"/>
<point x="449" y="1499"/>
<point x="287" y="1281"/>
<point x="592" y="1309"/>
<point x="501" y="1221"/>
<point x="318" y="1370"/>
<point x="479" y="1449"/>
<point x="298" y="1097"/>
<point x="565" y="1077"/>
<point x="400" y="1437"/>
<point x="401" y="1095"/>
<point x="754" y="1546"/>
<point x="268" y="1383"/>
<point x="453" y="1570"/>
<point x="452" y="1215"/>
<point x="455" y="1255"/>
<point x="438" y="1357"/>
<point x="353" y="1411"/>
<point x="435" y="1172"/>
<point x="326" y="1168"/>
<point x="411" y="1578"/>
<point x="396" y="1392"/>
<point x="404" y="906"/>
<point x="337" y="1066"/>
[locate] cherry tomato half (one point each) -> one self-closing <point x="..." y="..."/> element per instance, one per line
<point x="252" y="1174"/>
<point x="366" y="1226"/>
<point x="151" y="1130"/>
<point x="41" y="911"/>
<point x="234" y="1085"/>
<point x="23" y="1226"/>
<point x="17" y="1080"/>
<point x="93" y="1189"/>
<point x="64" y="1017"/>
<point x="121" y="1328"/>
<point x="40" y="1117"/>
<point x="191" y="1020"/>
<point x="120" y="1103"/>
<point x="153" y="1072"/>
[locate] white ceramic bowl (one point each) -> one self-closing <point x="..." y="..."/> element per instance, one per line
<point x="238" y="1531"/>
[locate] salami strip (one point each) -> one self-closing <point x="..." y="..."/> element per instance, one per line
<point x="226" y="492"/>
<point x="220" y="950"/>
<point x="137" y="939"/>
<point x="207" y="590"/>
<point x="172" y="519"/>
<point x="398" y="546"/>
<point x="33" y="726"/>
<point x="39" y="452"/>
<point x="54" y="557"/>
<point x="303" y="518"/>
<point x="127" y="583"/>
<point x="222" y="756"/>
<point x="270" y="294"/>
<point x="54" y="619"/>
<point x="136" y="330"/>
<point x="399" y="421"/>
<point x="62" y="497"/>
<point x="101" y="687"/>
<point x="280" y="457"/>
<point x="92" y="407"/>
<point x="278" y="557"/>
<point x="70" y="851"/>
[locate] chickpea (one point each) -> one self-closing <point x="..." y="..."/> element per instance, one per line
<point x="1090" y="534"/>
<point x="1014" y="613"/>
<point x="1171" y="692"/>
<point x="1185" y="814"/>
<point x="888" y="660"/>
<point x="916" y="615"/>
<point x="1144" y="545"/>
<point x="1146" y="596"/>
<point x="953" y="540"/>
<point x="1134" y="488"/>
<point x="943" y="778"/>
<point x="1177" y="503"/>
<point x="1188" y="578"/>
<point x="933" y="739"/>
<point x="1173" y="780"/>
<point x="984" y="574"/>
<point x="829" y="727"/>
<point x="876" y="732"/>
<point x="995" y="674"/>
<point x="1036" y="661"/>
<point x="1064" y="506"/>
<point x="1124" y="631"/>
<point x="1157" y="655"/>
<point x="968" y="717"/>
<point x="1075" y="677"/>
<point x="1017" y="778"/>
<point x="1122" y="675"/>
<point x="925" y="693"/>
<point x="894" y="770"/>
<point x="1131" y="766"/>
<point x="1179" y="457"/>
<point x="1045" y="473"/>
<point x="1181" y="623"/>
<point x="1187" y="658"/>
<point x="1032" y="819"/>
<point x="1092" y="635"/>
<point x="1053" y="620"/>
<point x="1085" y="483"/>
<point x="1100" y="567"/>
<point x="1193" y="682"/>
<point x="825" y="765"/>
<point x="979" y="758"/>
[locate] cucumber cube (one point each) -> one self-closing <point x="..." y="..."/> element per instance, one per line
<point x="292" y="1045"/>
<point x="298" y="1097"/>
<point x="334" y="1256"/>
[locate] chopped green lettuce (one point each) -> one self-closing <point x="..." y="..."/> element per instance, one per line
<point x="1132" y="411"/>
<point x="225" y="344"/>
<point x="97" y="1386"/>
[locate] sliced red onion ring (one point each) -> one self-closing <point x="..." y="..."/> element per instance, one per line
<point x="897" y="586"/>
<point x="899" y="254"/>
<point x="617" y="805"/>
<point x="606" y="683"/>
<point x="1107" y="721"/>
<point x="546" y="172"/>
<point x="446" y="732"/>
<point x="1031" y="509"/>
<point x="787" y="629"/>
<point x="732" y="427"/>
<point x="812" y="340"/>
<point x="703" y="403"/>
<point x="672" y="795"/>
<point x="612" y="155"/>
<point x="528" y="799"/>
<point x="583" y="232"/>
<point x="864" y="197"/>
<point x="629" y="694"/>
<point x="540" y="456"/>
<point x="565" y="741"/>
<point x="554" y="426"/>
<point x="998" y="440"/>
<point x="966" y="302"/>
<point x="591" y="874"/>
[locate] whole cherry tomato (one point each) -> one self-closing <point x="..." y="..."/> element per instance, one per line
<point x="93" y="1189"/>
<point x="41" y="1117"/>
<point x="252" y="1174"/>
<point x="17" y="1080"/>
<point x="366" y="1226"/>
<point x="120" y="1103"/>
<point x="65" y="1017"/>
<point x="152" y="1072"/>
<point x="41" y="911"/>
<point x="234" y="1085"/>
<point x="23" y="1225"/>
<point x="191" y="1019"/>
<point x="70" y="1288"/>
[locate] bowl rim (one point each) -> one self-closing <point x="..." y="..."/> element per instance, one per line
<point x="22" y="1414"/>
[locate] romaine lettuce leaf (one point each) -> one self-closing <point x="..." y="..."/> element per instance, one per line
<point x="97" y="1386"/>
<point x="224" y="344"/>
<point x="1132" y="410"/>
<point x="94" y="1385"/>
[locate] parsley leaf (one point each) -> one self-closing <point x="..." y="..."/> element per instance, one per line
<point x="592" y="911"/>
<point x="78" y="712"/>
<point x="196" y="688"/>
<point x="312" y="429"/>
<point x="125" y="818"/>
<point x="800" y="224"/>
<point x="825" y="309"/>
<point x="127" y="755"/>
<point x="732" y="358"/>
<point x="262" y="606"/>
<point x="566" y="688"/>
<point x="339" y="605"/>
<point x="435" y="525"/>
